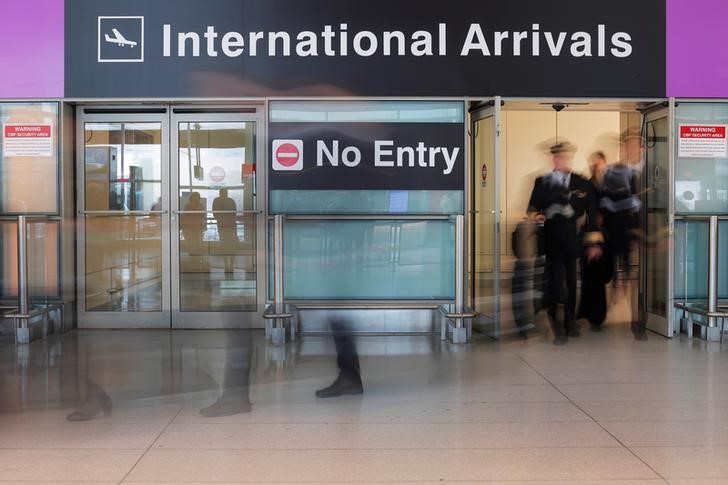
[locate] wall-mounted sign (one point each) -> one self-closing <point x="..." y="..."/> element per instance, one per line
<point x="703" y="141"/>
<point x="180" y="48"/>
<point x="27" y="140"/>
<point x="407" y="156"/>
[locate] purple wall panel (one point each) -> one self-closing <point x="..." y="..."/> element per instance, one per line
<point x="697" y="48"/>
<point x="31" y="49"/>
<point x="32" y="62"/>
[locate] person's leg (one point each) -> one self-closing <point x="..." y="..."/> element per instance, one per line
<point x="97" y="401"/>
<point x="570" y="304"/>
<point x="592" y="294"/>
<point x="347" y="358"/>
<point x="555" y="271"/>
<point x="235" y="397"/>
<point x="521" y="296"/>
<point x="92" y="399"/>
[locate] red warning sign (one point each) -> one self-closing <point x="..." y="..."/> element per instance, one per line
<point x="27" y="131"/>
<point x="703" y="141"/>
<point x="27" y="140"/>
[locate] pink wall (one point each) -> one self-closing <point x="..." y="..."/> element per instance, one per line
<point x="32" y="63"/>
<point x="697" y="48"/>
<point x="31" y="49"/>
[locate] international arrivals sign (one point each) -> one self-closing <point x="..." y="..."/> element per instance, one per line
<point x="340" y="42"/>
<point x="222" y="48"/>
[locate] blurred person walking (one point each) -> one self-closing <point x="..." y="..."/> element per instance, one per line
<point x="595" y="274"/>
<point x="559" y="200"/>
<point x="620" y="203"/>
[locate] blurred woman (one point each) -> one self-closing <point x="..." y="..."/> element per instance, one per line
<point x="595" y="274"/>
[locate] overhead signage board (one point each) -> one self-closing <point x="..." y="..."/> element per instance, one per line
<point x="703" y="141"/>
<point x="224" y="48"/>
<point x="376" y="156"/>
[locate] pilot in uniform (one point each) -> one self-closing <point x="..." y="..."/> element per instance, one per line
<point x="560" y="199"/>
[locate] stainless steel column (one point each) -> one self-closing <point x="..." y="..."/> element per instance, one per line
<point x="22" y="332"/>
<point x="459" y="262"/>
<point x="278" y="332"/>
<point x="459" y="332"/>
<point x="713" y="270"/>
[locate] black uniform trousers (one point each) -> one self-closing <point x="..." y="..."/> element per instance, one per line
<point x="347" y="357"/>
<point x="561" y="271"/>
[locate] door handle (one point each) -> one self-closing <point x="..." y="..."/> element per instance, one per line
<point x="239" y="213"/>
<point x="122" y="213"/>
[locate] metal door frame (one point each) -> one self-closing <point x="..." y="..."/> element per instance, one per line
<point x="248" y="114"/>
<point x="115" y="319"/>
<point x="656" y="323"/>
<point x="492" y="109"/>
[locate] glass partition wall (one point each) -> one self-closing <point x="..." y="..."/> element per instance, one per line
<point x="343" y="245"/>
<point x="30" y="185"/>
<point x="701" y="191"/>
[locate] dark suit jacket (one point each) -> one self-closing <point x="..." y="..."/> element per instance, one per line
<point x="561" y="232"/>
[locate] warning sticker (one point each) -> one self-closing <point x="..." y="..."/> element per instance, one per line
<point x="27" y="140"/>
<point x="703" y="141"/>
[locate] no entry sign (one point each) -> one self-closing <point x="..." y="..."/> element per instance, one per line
<point x="27" y="140"/>
<point x="287" y="155"/>
<point x="372" y="156"/>
<point x="217" y="174"/>
<point x="703" y="141"/>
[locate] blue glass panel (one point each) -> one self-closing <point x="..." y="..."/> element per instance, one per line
<point x="691" y="260"/>
<point x="369" y="260"/>
<point x="447" y="202"/>
<point x="367" y="111"/>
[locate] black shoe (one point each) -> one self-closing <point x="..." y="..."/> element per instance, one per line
<point x="100" y="403"/>
<point x="595" y="327"/>
<point x="226" y="407"/>
<point x="340" y="387"/>
<point x="640" y="336"/>
<point x="561" y="340"/>
<point x="574" y="333"/>
<point x="639" y="332"/>
<point x="523" y="334"/>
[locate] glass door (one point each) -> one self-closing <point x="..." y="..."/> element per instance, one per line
<point x="124" y="220"/>
<point x="484" y="264"/>
<point x="217" y="270"/>
<point x="656" y="300"/>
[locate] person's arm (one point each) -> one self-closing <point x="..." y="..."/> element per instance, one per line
<point x="535" y="203"/>
<point x="593" y="237"/>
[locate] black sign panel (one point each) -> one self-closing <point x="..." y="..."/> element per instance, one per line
<point x="406" y="156"/>
<point x="216" y="48"/>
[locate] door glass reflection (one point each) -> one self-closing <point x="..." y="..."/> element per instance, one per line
<point x="123" y="260"/>
<point x="657" y="168"/>
<point x="217" y="236"/>
<point x="484" y="221"/>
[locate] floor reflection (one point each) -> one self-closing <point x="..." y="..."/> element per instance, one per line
<point x="90" y="374"/>
<point x="226" y="406"/>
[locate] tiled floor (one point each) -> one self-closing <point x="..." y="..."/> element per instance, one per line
<point x="603" y="409"/>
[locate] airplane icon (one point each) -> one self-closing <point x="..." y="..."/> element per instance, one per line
<point x="119" y="39"/>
